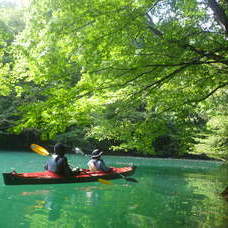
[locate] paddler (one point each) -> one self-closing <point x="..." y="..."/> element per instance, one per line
<point x="58" y="162"/>
<point x="96" y="163"/>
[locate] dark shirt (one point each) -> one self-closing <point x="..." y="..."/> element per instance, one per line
<point x="58" y="164"/>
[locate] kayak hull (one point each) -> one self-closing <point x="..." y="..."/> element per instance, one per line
<point x="48" y="177"/>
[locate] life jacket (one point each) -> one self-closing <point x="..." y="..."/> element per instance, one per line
<point x="92" y="165"/>
<point x="59" y="165"/>
<point x="98" y="165"/>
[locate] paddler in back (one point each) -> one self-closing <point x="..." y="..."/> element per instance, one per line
<point x="96" y="163"/>
<point x="58" y="162"/>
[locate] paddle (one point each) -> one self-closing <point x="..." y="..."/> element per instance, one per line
<point x="79" y="151"/>
<point x="39" y="149"/>
<point x="128" y="178"/>
<point x="42" y="151"/>
<point x="103" y="181"/>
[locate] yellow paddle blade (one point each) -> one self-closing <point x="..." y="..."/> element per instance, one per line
<point x="103" y="181"/>
<point x="39" y="149"/>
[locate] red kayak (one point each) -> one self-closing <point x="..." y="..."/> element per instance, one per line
<point x="48" y="177"/>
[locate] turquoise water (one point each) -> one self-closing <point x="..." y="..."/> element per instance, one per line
<point x="169" y="193"/>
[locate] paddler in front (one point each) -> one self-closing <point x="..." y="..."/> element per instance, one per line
<point x="96" y="163"/>
<point x="58" y="162"/>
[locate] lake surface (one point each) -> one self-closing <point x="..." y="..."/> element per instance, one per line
<point x="169" y="193"/>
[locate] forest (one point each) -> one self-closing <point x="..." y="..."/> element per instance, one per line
<point x="136" y="76"/>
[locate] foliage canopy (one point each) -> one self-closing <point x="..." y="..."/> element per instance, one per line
<point x="128" y="71"/>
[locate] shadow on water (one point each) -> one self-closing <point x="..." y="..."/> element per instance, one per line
<point x="169" y="193"/>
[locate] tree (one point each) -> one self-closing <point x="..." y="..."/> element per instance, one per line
<point x="125" y="70"/>
<point x="11" y="24"/>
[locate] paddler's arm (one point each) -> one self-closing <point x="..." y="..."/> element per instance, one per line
<point x="66" y="168"/>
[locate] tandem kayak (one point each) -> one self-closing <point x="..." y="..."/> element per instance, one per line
<point x="48" y="177"/>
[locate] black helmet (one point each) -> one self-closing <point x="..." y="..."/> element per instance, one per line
<point x="96" y="153"/>
<point x="59" y="149"/>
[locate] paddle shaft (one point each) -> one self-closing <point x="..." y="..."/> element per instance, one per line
<point x="128" y="178"/>
<point x="101" y="180"/>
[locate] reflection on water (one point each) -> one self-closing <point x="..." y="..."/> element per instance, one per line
<point x="168" y="194"/>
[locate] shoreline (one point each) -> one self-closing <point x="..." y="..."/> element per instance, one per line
<point x="184" y="156"/>
<point x="187" y="156"/>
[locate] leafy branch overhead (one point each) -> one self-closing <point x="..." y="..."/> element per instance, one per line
<point x="90" y="64"/>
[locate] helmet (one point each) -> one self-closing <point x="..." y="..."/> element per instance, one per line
<point x="96" y="153"/>
<point x="59" y="149"/>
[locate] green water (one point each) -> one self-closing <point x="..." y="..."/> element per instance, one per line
<point x="170" y="193"/>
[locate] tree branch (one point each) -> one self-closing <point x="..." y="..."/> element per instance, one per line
<point x="209" y="94"/>
<point x="205" y="54"/>
<point x="219" y="13"/>
<point x="162" y="80"/>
